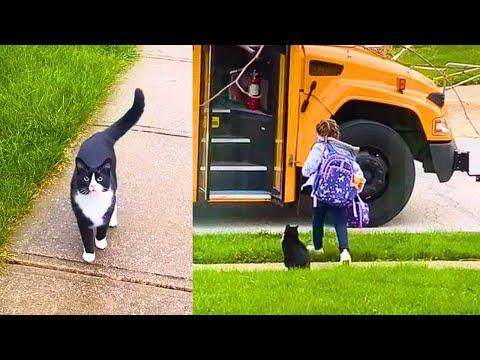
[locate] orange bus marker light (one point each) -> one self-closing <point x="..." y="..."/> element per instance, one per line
<point x="401" y="84"/>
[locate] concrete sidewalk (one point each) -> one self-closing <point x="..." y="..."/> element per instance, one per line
<point x="435" y="264"/>
<point x="146" y="268"/>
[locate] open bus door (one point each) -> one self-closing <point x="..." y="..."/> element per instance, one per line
<point x="239" y="153"/>
<point x="201" y="120"/>
<point x="280" y="131"/>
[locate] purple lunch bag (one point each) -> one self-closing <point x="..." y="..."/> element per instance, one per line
<point x="358" y="213"/>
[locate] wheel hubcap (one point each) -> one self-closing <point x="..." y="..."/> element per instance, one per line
<point x="375" y="171"/>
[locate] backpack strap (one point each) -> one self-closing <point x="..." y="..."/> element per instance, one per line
<point x="354" y="208"/>
<point x="331" y="148"/>
<point x="361" y="210"/>
<point x="359" y="199"/>
<point x="325" y="147"/>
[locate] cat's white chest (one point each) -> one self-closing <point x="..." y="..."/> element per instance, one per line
<point x="94" y="206"/>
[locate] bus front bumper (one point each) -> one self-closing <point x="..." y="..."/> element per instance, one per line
<point x="447" y="158"/>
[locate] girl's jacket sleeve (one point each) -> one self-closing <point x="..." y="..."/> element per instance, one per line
<point x="359" y="173"/>
<point x="314" y="159"/>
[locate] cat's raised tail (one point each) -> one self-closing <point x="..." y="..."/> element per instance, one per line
<point x="121" y="126"/>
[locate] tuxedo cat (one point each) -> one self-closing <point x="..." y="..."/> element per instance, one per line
<point x="93" y="189"/>
<point x="295" y="254"/>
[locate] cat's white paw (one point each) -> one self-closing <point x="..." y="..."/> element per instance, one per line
<point x="113" y="219"/>
<point x="101" y="244"/>
<point x="88" y="257"/>
<point x="113" y="222"/>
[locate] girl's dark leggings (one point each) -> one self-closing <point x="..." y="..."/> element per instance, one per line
<point x="339" y="216"/>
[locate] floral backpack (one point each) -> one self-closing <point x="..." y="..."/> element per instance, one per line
<point x="333" y="181"/>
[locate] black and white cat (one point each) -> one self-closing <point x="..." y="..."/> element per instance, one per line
<point x="93" y="189"/>
<point x="295" y="254"/>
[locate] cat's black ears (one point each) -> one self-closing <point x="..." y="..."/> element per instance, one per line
<point x="106" y="165"/>
<point x="292" y="226"/>
<point x="80" y="165"/>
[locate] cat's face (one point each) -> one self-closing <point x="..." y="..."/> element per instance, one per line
<point x="93" y="180"/>
<point x="291" y="232"/>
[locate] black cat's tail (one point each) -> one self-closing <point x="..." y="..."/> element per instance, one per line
<point x="120" y="127"/>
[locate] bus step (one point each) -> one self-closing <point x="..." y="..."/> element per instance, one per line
<point x="230" y="140"/>
<point x="239" y="195"/>
<point x="236" y="166"/>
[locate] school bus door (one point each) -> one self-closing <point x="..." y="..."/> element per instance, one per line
<point x="280" y="132"/>
<point x="201" y="119"/>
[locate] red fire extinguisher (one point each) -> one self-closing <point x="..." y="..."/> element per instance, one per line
<point x="253" y="103"/>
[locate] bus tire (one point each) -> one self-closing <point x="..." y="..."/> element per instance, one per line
<point x="388" y="166"/>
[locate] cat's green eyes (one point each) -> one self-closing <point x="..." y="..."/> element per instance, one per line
<point x="100" y="178"/>
<point x="86" y="178"/>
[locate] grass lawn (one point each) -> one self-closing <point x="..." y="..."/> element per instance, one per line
<point x="266" y="247"/>
<point x="341" y="290"/>
<point x="46" y="94"/>
<point x="440" y="55"/>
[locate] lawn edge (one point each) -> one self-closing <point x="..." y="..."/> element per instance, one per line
<point x="431" y="264"/>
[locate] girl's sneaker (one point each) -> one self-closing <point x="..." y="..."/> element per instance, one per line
<point x="311" y="248"/>
<point x="345" y="257"/>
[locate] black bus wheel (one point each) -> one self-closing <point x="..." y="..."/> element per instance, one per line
<point x="387" y="164"/>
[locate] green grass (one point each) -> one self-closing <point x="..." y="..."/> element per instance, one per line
<point x="266" y="247"/>
<point x="440" y="55"/>
<point x="46" y="94"/>
<point x="341" y="290"/>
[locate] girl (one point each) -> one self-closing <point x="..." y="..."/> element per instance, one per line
<point x="328" y="131"/>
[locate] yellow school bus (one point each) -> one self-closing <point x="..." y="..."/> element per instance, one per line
<point x="394" y="114"/>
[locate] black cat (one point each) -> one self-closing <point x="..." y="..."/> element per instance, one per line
<point x="93" y="187"/>
<point x="295" y="254"/>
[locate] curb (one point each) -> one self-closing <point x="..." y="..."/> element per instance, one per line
<point x="437" y="264"/>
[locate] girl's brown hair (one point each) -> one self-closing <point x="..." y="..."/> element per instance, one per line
<point x="328" y="128"/>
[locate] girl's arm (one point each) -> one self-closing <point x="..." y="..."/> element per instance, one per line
<point x="359" y="177"/>
<point x="314" y="160"/>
